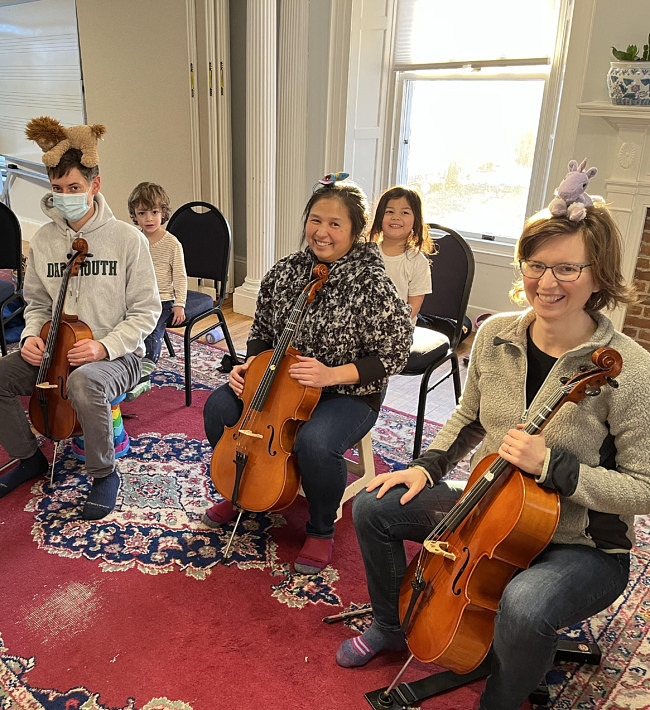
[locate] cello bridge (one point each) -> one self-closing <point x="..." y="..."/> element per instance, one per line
<point x="435" y="547"/>
<point x="248" y="432"/>
<point x="46" y="386"/>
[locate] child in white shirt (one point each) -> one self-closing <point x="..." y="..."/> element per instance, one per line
<point x="404" y="243"/>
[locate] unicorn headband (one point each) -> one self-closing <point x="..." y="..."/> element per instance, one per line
<point x="570" y="199"/>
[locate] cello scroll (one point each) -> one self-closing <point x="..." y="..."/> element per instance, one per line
<point x="587" y="384"/>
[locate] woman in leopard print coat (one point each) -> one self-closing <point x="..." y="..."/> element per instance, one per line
<point x="353" y="336"/>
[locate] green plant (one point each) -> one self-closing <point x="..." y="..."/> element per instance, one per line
<point x="631" y="54"/>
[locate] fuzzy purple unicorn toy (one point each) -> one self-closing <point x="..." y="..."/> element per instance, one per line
<point x="570" y="196"/>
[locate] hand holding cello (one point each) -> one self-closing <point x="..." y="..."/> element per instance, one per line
<point x="253" y="466"/>
<point x="65" y="340"/>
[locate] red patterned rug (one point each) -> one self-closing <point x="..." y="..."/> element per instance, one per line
<point x="138" y="611"/>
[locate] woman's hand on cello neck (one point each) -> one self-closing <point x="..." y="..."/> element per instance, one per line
<point x="237" y="374"/>
<point x="308" y="371"/>
<point x="523" y="450"/>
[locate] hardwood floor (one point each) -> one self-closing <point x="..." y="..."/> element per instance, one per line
<point x="402" y="391"/>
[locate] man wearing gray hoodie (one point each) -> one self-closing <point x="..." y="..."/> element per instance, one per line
<point x="114" y="294"/>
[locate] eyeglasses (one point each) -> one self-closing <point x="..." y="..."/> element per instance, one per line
<point x="562" y="272"/>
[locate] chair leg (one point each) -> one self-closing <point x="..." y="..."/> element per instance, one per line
<point x="170" y="347"/>
<point x="228" y="338"/>
<point x="188" y="366"/>
<point x="364" y="471"/>
<point x="419" y="420"/>
<point x="455" y="371"/>
<point x="3" y="338"/>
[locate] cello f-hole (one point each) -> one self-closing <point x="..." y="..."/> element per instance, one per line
<point x="454" y="588"/>
<point x="62" y="388"/>
<point x="270" y="449"/>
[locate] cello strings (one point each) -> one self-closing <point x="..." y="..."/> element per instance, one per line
<point x="268" y="377"/>
<point x="50" y="343"/>
<point x="467" y="503"/>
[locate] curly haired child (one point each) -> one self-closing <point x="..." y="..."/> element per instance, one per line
<point x="149" y="209"/>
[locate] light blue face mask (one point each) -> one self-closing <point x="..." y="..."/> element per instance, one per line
<point x="72" y="207"/>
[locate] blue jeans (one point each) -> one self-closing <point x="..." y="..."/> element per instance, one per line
<point x="337" y="423"/>
<point x="564" y="585"/>
<point x="153" y="342"/>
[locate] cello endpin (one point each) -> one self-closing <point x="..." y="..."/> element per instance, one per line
<point x="385" y="699"/>
<point x="232" y="536"/>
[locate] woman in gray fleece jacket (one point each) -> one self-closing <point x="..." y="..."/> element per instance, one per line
<point x="595" y="455"/>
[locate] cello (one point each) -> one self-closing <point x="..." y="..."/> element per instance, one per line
<point x="50" y="409"/>
<point x="451" y="590"/>
<point x="253" y="465"/>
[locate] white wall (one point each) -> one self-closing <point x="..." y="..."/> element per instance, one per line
<point x="615" y="24"/>
<point x="238" y="93"/>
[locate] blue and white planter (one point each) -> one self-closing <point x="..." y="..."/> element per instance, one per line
<point x="629" y="83"/>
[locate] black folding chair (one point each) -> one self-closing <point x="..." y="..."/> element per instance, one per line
<point x="205" y="235"/>
<point x="441" y="323"/>
<point x="10" y="258"/>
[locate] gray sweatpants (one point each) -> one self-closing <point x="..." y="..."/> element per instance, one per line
<point x="91" y="388"/>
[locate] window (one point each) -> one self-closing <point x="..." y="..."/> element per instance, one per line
<point x="479" y="85"/>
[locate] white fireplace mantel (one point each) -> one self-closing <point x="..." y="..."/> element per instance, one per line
<point x="628" y="184"/>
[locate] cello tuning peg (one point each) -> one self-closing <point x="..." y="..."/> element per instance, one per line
<point x="564" y="380"/>
<point x="583" y="368"/>
<point x="592" y="391"/>
<point x="611" y="381"/>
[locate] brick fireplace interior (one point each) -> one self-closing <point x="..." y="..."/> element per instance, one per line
<point x="637" y="318"/>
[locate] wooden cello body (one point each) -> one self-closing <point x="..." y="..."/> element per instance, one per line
<point x="506" y="530"/>
<point x="452" y="588"/>
<point x="253" y="465"/>
<point x="50" y="409"/>
<point x="270" y="480"/>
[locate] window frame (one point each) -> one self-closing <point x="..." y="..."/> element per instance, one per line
<point x="403" y="76"/>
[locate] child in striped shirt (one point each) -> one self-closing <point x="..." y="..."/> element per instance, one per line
<point x="149" y="209"/>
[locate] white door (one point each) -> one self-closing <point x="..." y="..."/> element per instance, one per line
<point x="139" y="72"/>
